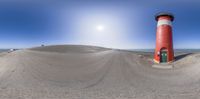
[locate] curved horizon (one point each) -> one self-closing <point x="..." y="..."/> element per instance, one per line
<point x="114" y="24"/>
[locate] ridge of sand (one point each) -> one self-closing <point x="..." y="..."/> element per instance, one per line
<point x="69" y="48"/>
<point x="72" y="72"/>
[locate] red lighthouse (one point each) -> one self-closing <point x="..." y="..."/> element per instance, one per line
<point x="164" y="43"/>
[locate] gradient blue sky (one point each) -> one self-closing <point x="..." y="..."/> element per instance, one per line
<point x="127" y="23"/>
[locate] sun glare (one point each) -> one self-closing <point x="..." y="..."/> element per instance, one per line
<point x="100" y="27"/>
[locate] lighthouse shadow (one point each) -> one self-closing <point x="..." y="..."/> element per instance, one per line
<point x="181" y="56"/>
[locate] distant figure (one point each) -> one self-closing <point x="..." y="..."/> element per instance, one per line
<point x="11" y="50"/>
<point x="42" y="45"/>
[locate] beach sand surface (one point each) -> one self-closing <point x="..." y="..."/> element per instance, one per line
<point x="89" y="72"/>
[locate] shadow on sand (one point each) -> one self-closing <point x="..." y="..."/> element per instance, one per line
<point x="178" y="57"/>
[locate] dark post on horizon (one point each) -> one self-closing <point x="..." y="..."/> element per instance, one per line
<point x="164" y="52"/>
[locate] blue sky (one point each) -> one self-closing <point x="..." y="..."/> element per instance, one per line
<point x="126" y="24"/>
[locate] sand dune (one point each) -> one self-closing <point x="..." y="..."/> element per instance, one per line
<point x="88" y="72"/>
<point x="69" y="48"/>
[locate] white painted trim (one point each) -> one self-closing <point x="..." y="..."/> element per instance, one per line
<point x="164" y="22"/>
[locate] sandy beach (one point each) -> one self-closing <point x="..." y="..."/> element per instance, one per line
<point x="88" y="72"/>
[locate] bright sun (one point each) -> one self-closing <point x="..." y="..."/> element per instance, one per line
<point x="100" y="27"/>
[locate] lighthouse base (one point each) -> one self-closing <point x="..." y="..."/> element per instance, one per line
<point x="155" y="61"/>
<point x="163" y="66"/>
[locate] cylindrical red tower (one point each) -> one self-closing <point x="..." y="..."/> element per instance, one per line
<point x="164" y="43"/>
